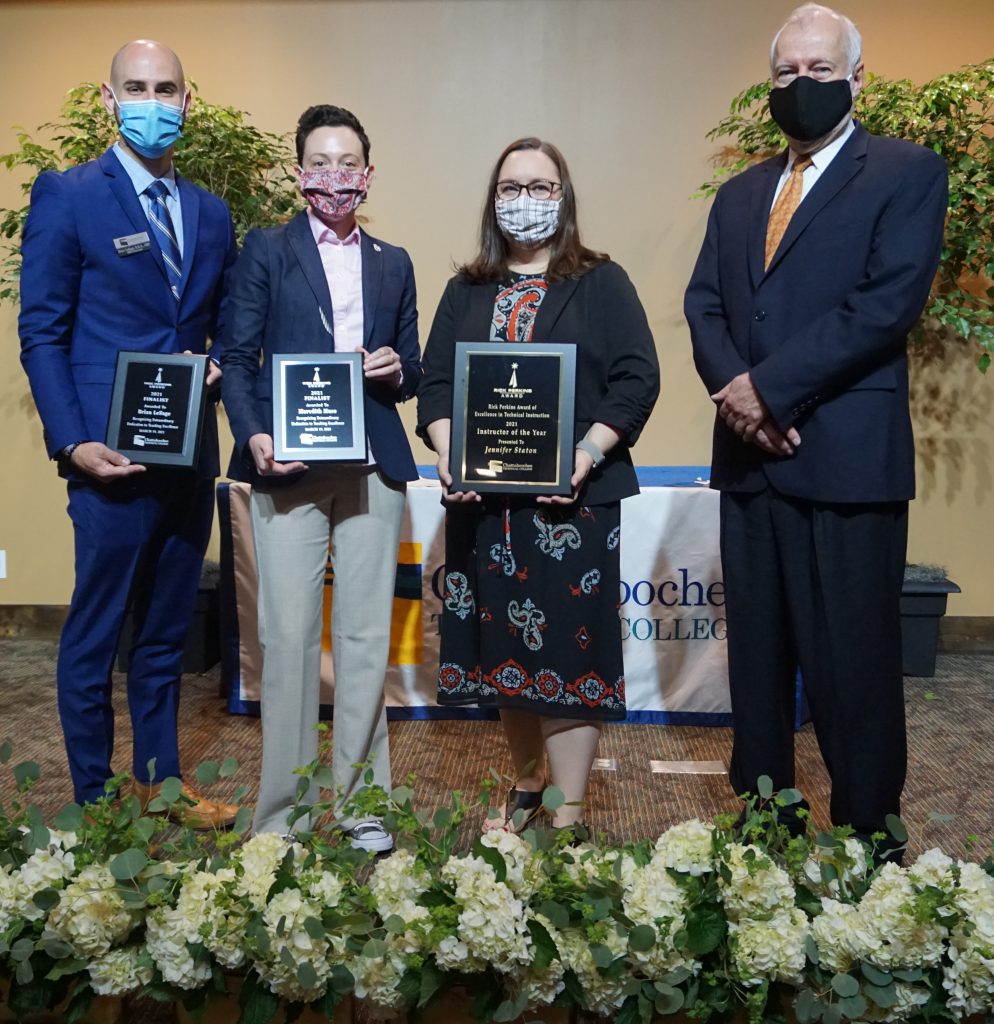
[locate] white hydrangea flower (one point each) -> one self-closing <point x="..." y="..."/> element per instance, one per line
<point x="770" y="950"/>
<point x="376" y="981"/>
<point x="119" y="971"/>
<point x="168" y="932"/>
<point x="849" y="873"/>
<point x="758" y="887"/>
<point x="884" y="931"/>
<point x="492" y="919"/>
<point x="14" y="898"/>
<point x="602" y="994"/>
<point x="686" y="847"/>
<point x="215" y="917"/>
<point x="452" y="954"/>
<point x="541" y="987"/>
<point x="968" y="977"/>
<point x="396" y="882"/>
<point x="259" y="859"/>
<point x="651" y="897"/>
<point x="90" y="915"/>
<point x="933" y="868"/>
<point x="909" y="1001"/>
<point x="523" y="877"/>
<point x="286" y="913"/>
<point x="832" y="931"/>
<point x="326" y="887"/>
<point x="46" y="868"/>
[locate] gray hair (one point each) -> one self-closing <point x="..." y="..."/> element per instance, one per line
<point x="853" y="40"/>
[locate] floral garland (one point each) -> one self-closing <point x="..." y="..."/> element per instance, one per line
<point x="706" y="920"/>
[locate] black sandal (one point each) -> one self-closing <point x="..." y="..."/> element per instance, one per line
<point x="520" y="800"/>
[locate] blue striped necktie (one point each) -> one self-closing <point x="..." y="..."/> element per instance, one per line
<point x="162" y="228"/>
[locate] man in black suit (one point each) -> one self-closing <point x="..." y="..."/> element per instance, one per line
<point x="815" y="266"/>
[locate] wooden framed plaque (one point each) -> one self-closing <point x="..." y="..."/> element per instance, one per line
<point x="318" y="412"/>
<point x="512" y="418"/>
<point x="157" y="408"/>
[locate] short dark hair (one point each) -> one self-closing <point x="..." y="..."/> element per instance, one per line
<point x="324" y="115"/>
<point x="569" y="256"/>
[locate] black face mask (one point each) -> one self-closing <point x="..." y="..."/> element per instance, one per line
<point x="807" y="110"/>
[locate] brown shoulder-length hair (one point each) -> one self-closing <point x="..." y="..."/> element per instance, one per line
<point x="569" y="256"/>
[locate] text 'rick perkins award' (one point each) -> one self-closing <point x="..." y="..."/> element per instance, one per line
<point x="157" y="408"/>
<point x="512" y="418"/>
<point x="318" y="412"/>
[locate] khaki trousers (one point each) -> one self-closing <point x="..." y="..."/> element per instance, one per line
<point x="360" y="512"/>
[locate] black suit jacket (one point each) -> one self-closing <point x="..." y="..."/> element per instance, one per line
<point x="822" y="332"/>
<point x="280" y="303"/>
<point x="617" y="373"/>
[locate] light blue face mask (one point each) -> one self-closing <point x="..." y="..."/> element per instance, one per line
<point x="149" y="126"/>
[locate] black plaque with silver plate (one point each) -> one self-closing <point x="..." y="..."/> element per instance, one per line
<point x="512" y="418"/>
<point x="318" y="412"/>
<point x="157" y="408"/>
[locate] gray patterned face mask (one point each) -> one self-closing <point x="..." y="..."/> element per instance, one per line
<point x="527" y="220"/>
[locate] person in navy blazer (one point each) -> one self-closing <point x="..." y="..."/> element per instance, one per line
<point x="321" y="284"/>
<point x="140" y="534"/>
<point x="801" y="342"/>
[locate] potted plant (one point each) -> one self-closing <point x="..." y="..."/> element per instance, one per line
<point x="923" y="602"/>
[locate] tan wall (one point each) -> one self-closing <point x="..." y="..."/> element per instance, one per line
<point x="627" y="88"/>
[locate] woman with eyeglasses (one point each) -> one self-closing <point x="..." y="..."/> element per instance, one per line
<point x="530" y="614"/>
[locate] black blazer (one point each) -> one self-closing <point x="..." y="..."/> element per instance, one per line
<point x="617" y="373"/>
<point x="823" y="332"/>
<point x="279" y="303"/>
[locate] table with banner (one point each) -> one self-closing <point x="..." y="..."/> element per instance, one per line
<point x="671" y="604"/>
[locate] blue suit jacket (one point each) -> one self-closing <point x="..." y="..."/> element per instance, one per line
<point x="822" y="332"/>
<point x="280" y="303"/>
<point x="81" y="303"/>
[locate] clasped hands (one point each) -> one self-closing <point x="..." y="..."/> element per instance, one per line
<point x="742" y="408"/>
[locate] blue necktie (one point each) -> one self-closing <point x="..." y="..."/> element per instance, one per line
<point x="162" y="228"/>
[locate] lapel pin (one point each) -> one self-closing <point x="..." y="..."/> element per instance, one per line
<point x="376" y="247"/>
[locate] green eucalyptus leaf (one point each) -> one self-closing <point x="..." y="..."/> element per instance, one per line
<point x="207" y="772"/>
<point x="602" y="956"/>
<point x="764" y="787"/>
<point x="884" y="996"/>
<point x="129" y="864"/>
<point x="874" y="975"/>
<point x="6" y="748"/>
<point x="553" y="798"/>
<point x="69" y="819"/>
<point x="845" y="985"/>
<point x="641" y="938"/>
<point x="896" y="828"/>
<point x="171" y="789"/>
<point x="228" y="767"/>
<point x="668" y="1000"/>
<point x="26" y="774"/>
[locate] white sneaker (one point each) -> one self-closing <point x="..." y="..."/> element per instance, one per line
<point x="370" y="836"/>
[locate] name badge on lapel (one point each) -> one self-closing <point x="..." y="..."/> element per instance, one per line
<point x="128" y="245"/>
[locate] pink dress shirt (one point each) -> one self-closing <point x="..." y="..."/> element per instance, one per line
<point x="342" y="262"/>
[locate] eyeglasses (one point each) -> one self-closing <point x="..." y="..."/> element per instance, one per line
<point x="539" y="189"/>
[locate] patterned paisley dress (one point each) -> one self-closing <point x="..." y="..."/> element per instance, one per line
<point x="530" y="602"/>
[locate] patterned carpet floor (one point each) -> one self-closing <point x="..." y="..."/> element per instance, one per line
<point x="949" y="797"/>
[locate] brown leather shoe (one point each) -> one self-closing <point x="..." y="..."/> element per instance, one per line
<point x="202" y="814"/>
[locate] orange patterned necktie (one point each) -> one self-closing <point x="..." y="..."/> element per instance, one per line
<point x="785" y="207"/>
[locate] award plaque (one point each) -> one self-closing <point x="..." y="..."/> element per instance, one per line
<point x="157" y="408"/>
<point x="318" y="412"/>
<point x="512" y="418"/>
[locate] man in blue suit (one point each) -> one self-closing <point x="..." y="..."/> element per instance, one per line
<point x="815" y="266"/>
<point x="321" y="284"/>
<point x="122" y="253"/>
